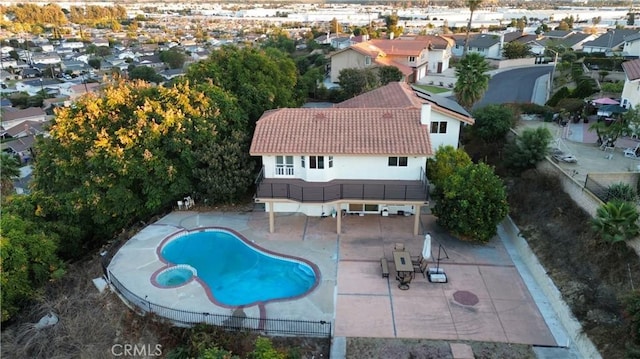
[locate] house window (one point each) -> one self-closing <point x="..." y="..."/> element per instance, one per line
<point x="330" y="161"/>
<point x="316" y="162"/>
<point x="367" y="60"/>
<point x="439" y="127"/>
<point x="302" y="164"/>
<point x="284" y="165"/>
<point x="398" y="161"/>
<point x="412" y="59"/>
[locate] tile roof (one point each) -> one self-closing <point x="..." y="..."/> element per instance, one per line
<point x="558" y="33"/>
<point x="632" y="69"/>
<point x="371" y="131"/>
<point x="400" y="47"/>
<point x="399" y="95"/>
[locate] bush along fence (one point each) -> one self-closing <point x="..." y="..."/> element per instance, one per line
<point x="267" y="326"/>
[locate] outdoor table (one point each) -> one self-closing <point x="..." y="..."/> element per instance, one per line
<point x="404" y="268"/>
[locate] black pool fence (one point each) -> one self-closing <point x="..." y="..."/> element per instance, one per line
<point x="268" y="326"/>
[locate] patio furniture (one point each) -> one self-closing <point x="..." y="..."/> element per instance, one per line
<point x="633" y="152"/>
<point x="385" y="267"/>
<point x="404" y="268"/>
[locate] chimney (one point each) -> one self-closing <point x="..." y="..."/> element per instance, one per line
<point x="425" y="114"/>
<point x="391" y="35"/>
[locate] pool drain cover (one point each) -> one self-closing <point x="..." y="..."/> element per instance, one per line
<point x="465" y="298"/>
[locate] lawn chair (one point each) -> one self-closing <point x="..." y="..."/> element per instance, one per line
<point x="633" y="152"/>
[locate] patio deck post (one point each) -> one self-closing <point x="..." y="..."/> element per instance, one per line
<point x="416" y="221"/>
<point x="339" y="218"/>
<point x="271" y="217"/>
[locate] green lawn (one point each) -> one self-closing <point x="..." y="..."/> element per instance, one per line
<point x="432" y="89"/>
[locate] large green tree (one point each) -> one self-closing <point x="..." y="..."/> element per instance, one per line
<point x="445" y="162"/>
<point x="27" y="261"/>
<point x="516" y="50"/>
<point x="354" y="82"/>
<point x="260" y="79"/>
<point x="145" y="73"/>
<point x="472" y="80"/>
<point x="174" y="58"/>
<point x="492" y="123"/>
<point x="9" y="171"/>
<point x="132" y="153"/>
<point x="388" y="74"/>
<point x="471" y="202"/>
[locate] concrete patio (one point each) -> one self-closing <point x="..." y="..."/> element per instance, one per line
<point x="485" y="298"/>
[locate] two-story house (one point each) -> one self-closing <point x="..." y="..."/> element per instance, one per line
<point x="411" y="57"/>
<point x="440" y="51"/>
<point x="631" y="90"/>
<point x="366" y="155"/>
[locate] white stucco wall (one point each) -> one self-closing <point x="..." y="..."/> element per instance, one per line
<point x="631" y="93"/>
<point x="443" y="139"/>
<point x="350" y="167"/>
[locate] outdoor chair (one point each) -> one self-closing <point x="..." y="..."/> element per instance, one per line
<point x="633" y="152"/>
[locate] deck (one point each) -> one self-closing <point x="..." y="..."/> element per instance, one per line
<point x="323" y="192"/>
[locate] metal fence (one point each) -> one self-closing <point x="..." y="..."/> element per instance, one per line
<point x="286" y="327"/>
<point x="599" y="190"/>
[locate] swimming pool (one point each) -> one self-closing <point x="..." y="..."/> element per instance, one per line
<point x="233" y="271"/>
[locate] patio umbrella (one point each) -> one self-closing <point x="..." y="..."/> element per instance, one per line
<point x="605" y="101"/>
<point x="426" y="247"/>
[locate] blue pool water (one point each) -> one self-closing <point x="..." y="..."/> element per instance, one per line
<point x="174" y="276"/>
<point x="236" y="273"/>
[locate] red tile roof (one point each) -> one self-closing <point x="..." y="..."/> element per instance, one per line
<point x="632" y="69"/>
<point x="400" y="47"/>
<point x="371" y="131"/>
<point x="398" y="95"/>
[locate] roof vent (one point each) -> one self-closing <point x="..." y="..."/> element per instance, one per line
<point x="320" y="116"/>
<point x="387" y="115"/>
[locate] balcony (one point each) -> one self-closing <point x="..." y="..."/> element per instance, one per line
<point x="321" y="192"/>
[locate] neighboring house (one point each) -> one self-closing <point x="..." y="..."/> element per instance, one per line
<point x="12" y="117"/>
<point x="487" y="45"/>
<point x="439" y="51"/>
<point x="409" y="56"/>
<point x="32" y="87"/>
<point x="76" y="90"/>
<point x="46" y="59"/>
<point x="342" y="42"/>
<point x="325" y="39"/>
<point x="169" y="74"/>
<point x="366" y="155"/>
<point x="151" y="61"/>
<point x="631" y="47"/>
<point x="631" y="91"/>
<point x="20" y="147"/>
<point x="610" y="42"/>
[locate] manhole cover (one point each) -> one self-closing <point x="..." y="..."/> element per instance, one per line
<point x="465" y="297"/>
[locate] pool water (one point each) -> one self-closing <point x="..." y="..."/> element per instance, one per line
<point x="174" y="276"/>
<point x="236" y="273"/>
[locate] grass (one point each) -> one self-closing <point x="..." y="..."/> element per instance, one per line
<point x="433" y="89"/>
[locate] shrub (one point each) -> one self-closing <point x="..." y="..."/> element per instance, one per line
<point x="528" y="149"/>
<point x="472" y="202"/>
<point x="621" y="192"/>
<point x="492" y="122"/>
<point x="445" y="162"/>
<point x="632" y="313"/>
<point x="265" y="350"/>
<point x="534" y="109"/>
<point x="616" y="221"/>
<point x="562" y="93"/>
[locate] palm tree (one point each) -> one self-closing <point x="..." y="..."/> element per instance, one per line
<point x="473" y="6"/>
<point x="9" y="170"/>
<point x="616" y="221"/>
<point x="472" y="81"/>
